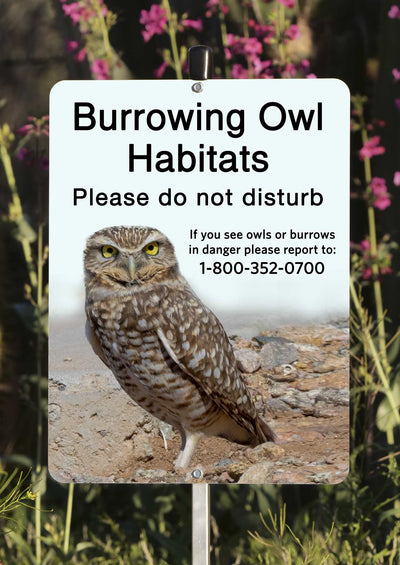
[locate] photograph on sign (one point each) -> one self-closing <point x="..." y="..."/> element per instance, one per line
<point x="199" y="236"/>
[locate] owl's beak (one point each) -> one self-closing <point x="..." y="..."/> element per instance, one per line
<point x="131" y="267"/>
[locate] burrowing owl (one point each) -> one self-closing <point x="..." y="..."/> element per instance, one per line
<point x="166" y="348"/>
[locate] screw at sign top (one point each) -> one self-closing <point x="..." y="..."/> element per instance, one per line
<point x="200" y="62"/>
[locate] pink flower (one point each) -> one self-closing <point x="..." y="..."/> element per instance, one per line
<point x="397" y="103"/>
<point x="292" y="32"/>
<point x="44" y="163"/>
<point x="232" y="45"/>
<point x="27" y="156"/>
<point x="193" y="24"/>
<point x="394" y="12"/>
<point x="71" y="45"/>
<point x="289" y="71"/>
<point x="26" y="129"/>
<point x="371" y="148"/>
<point x="304" y="68"/>
<point x="74" y="11"/>
<point x="100" y="69"/>
<point x="396" y="74"/>
<point x="378" y="183"/>
<point x="154" y="21"/>
<point x="239" y="72"/>
<point x="261" y="69"/>
<point x="305" y="65"/>
<point x="36" y="126"/>
<point x="212" y="7"/>
<point x="158" y="73"/>
<point x="382" y="258"/>
<point x="379" y="190"/>
<point x="22" y="154"/>
<point x="247" y="46"/>
<point x="287" y="3"/>
<point x="80" y="56"/>
<point x="45" y="127"/>
<point x="264" y="32"/>
<point x="231" y="40"/>
<point x="243" y="45"/>
<point x="82" y="11"/>
<point x="251" y="46"/>
<point x="396" y="178"/>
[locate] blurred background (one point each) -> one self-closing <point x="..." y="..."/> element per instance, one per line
<point x="45" y="41"/>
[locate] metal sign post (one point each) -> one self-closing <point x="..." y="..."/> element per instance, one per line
<point x="201" y="524"/>
<point x="200" y="68"/>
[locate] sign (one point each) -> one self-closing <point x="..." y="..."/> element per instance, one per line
<point x="249" y="181"/>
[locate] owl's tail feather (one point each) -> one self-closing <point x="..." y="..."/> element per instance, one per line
<point x="264" y="431"/>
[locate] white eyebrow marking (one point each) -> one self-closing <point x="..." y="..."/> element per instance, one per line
<point x="154" y="236"/>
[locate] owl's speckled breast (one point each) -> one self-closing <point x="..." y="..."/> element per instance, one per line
<point x="127" y="331"/>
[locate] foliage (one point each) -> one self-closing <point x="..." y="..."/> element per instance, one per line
<point x="110" y="524"/>
<point x="94" y="21"/>
<point x="354" y="522"/>
<point x="14" y="491"/>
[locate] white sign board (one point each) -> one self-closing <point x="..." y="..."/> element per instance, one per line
<point x="249" y="181"/>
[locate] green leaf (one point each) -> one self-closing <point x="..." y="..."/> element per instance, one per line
<point x="40" y="482"/>
<point x="23" y="231"/>
<point x="49" y="559"/>
<point x="81" y="546"/>
<point x="390" y="516"/>
<point x="393" y="350"/>
<point x="19" y="460"/>
<point x="386" y="417"/>
<point x="22" y="546"/>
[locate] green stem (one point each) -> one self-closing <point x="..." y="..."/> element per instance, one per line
<point x="246" y="34"/>
<point x="39" y="350"/>
<point x="281" y="31"/>
<point x="36" y="280"/>
<point x="68" y="517"/>
<point x="104" y="31"/>
<point x="15" y="210"/>
<point x="39" y="431"/>
<point x="257" y="10"/>
<point x="224" y="35"/>
<point x="38" y="543"/>
<point x="172" y="36"/>
<point x="376" y="357"/>
<point x="375" y="268"/>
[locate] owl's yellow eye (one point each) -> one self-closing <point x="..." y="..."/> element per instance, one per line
<point x="151" y="248"/>
<point x="108" y="251"/>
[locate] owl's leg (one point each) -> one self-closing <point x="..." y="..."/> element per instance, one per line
<point x="189" y="442"/>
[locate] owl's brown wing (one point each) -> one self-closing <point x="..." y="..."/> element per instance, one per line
<point x="196" y="341"/>
<point x="94" y="342"/>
